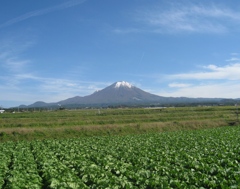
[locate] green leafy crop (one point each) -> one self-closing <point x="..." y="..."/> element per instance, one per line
<point x="188" y="159"/>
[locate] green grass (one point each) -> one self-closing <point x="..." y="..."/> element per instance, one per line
<point x="91" y="122"/>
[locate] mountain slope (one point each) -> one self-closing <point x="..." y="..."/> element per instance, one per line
<point x="119" y="92"/>
<point x="125" y="94"/>
<point x="40" y="104"/>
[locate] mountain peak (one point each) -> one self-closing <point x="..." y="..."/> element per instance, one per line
<point x="123" y="84"/>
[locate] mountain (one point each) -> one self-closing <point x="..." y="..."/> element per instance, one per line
<point x="123" y="93"/>
<point x="117" y="93"/>
<point x="41" y="104"/>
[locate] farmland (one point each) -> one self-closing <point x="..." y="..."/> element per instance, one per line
<point x="92" y="122"/>
<point x="188" y="159"/>
<point x="190" y="147"/>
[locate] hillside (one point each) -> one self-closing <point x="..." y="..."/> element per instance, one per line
<point x="123" y="93"/>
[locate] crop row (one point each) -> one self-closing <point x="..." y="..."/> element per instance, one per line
<point x="190" y="159"/>
<point x="114" y="116"/>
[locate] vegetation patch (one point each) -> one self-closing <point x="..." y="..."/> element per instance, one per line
<point x="207" y="158"/>
<point x="94" y="122"/>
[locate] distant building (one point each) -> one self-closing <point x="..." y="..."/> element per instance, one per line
<point x="1" y="111"/>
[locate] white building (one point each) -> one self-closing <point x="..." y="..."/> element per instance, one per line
<point x="1" y="111"/>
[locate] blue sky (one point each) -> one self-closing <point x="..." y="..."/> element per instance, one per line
<point x="54" y="50"/>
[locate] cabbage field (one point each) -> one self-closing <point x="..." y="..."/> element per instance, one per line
<point x="208" y="158"/>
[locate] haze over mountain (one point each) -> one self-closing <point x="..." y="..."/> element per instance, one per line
<point x="123" y="93"/>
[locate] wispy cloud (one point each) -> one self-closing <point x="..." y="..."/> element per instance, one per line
<point x="206" y="90"/>
<point x="61" y="86"/>
<point x="15" y="65"/>
<point x="210" y="81"/>
<point x="127" y="30"/>
<point x="234" y="54"/>
<point x="233" y="59"/>
<point x="10" y="55"/>
<point x="179" y="85"/>
<point x="191" y="18"/>
<point x="212" y="72"/>
<point x="18" y="80"/>
<point x="20" y="87"/>
<point x="40" y="12"/>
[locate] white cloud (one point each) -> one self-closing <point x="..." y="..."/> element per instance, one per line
<point x="179" y="85"/>
<point x="217" y="90"/>
<point x="214" y="81"/>
<point x="43" y="89"/>
<point x="233" y="59"/>
<point x="213" y="72"/>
